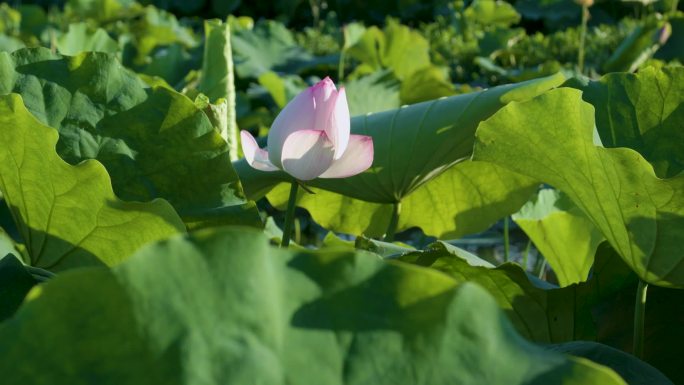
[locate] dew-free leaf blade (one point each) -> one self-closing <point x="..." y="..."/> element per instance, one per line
<point x="465" y="199"/>
<point x="644" y="112"/>
<point x="412" y="144"/>
<point x="68" y="216"/>
<point x="243" y="312"/>
<point x="639" y="214"/>
<point x="562" y="233"/>
<point x="155" y="143"/>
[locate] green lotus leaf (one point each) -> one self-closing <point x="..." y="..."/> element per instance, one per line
<point x="397" y="47"/>
<point x="562" y="233"/>
<point x="641" y="215"/>
<point x="638" y="46"/>
<point x="221" y="306"/>
<point x="415" y="145"/>
<point x="632" y="370"/>
<point x="465" y="199"/>
<point x="643" y="112"/>
<point x="217" y="81"/>
<point x="68" y="216"/>
<point x="492" y="13"/>
<point x="217" y="64"/>
<point x="540" y="314"/>
<point x="154" y="143"/>
<point x="270" y="46"/>
<point x="15" y="283"/>
<point x="378" y="91"/>
<point x="79" y="39"/>
<point x="427" y="83"/>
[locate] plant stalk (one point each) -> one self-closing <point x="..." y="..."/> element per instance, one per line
<point x="583" y="37"/>
<point x="340" y="66"/>
<point x="526" y="254"/>
<point x="507" y="246"/>
<point x="639" y="317"/>
<point x="542" y="268"/>
<point x="289" y="214"/>
<point x="394" y="222"/>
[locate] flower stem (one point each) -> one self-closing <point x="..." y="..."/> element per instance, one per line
<point x="394" y="222"/>
<point x="507" y="246"/>
<point x="541" y="267"/>
<point x="340" y="66"/>
<point x="526" y="254"/>
<point x="289" y="215"/>
<point x="639" y="316"/>
<point x="583" y="37"/>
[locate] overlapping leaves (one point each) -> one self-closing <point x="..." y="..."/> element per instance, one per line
<point x="643" y="112"/>
<point x="413" y="146"/>
<point x="245" y="312"/>
<point x="154" y="143"/>
<point x="641" y="215"/>
<point x="68" y="215"/>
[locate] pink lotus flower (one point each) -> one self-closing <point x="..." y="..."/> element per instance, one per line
<point x="310" y="138"/>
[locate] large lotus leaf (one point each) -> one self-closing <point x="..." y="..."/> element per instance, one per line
<point x="630" y="368"/>
<point x="638" y="46"/>
<point x="539" y="314"/>
<point x="224" y="307"/>
<point x="217" y="64"/>
<point x="465" y="199"/>
<point x="491" y="13"/>
<point x="397" y="47"/>
<point x="68" y="215"/>
<point x="282" y="88"/>
<point x="100" y="10"/>
<point x="10" y="44"/>
<point x="7" y="245"/>
<point x="15" y="283"/>
<point x="154" y="143"/>
<point x="643" y="112"/>
<point x="412" y="144"/>
<point x="375" y="92"/>
<point x="156" y="28"/>
<point x="427" y="83"/>
<point x="79" y="39"/>
<point x="270" y="46"/>
<point x="171" y="64"/>
<point x="218" y="79"/>
<point x="562" y="233"/>
<point x="641" y="215"/>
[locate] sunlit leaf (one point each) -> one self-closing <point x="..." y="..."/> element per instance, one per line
<point x="641" y="215"/>
<point x="242" y="311"/>
<point x="68" y="216"/>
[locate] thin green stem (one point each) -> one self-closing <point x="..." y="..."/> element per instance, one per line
<point x="315" y="13"/>
<point x="297" y="230"/>
<point x="289" y="215"/>
<point x="542" y="268"/>
<point x="394" y="222"/>
<point x="675" y="4"/>
<point x="526" y="254"/>
<point x="639" y="317"/>
<point x="233" y="132"/>
<point x="507" y="245"/>
<point x="583" y="38"/>
<point x="340" y="66"/>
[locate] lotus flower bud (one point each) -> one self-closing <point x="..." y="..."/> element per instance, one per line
<point x="310" y="138"/>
